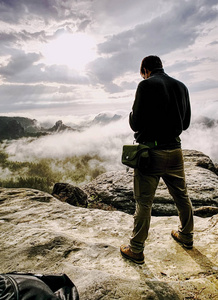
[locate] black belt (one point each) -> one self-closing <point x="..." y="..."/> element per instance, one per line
<point x="173" y="144"/>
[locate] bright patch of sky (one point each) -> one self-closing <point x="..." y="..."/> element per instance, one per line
<point x="83" y="57"/>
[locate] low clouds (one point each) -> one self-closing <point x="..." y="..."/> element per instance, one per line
<point x="202" y="138"/>
<point x="106" y="142"/>
<point x="182" y="33"/>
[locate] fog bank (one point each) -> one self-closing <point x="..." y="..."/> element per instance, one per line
<point x="106" y="141"/>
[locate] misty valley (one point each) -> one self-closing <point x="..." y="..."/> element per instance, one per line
<point x="37" y="157"/>
<point x="37" y="154"/>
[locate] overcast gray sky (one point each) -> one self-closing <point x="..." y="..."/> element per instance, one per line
<point x="69" y="57"/>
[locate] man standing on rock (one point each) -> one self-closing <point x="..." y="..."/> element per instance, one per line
<point x="161" y="111"/>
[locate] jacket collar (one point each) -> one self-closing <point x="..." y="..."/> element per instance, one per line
<point x="157" y="70"/>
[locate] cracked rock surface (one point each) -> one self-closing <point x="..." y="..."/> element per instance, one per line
<point x="41" y="234"/>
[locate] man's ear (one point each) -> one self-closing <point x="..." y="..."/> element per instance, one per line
<point x="146" y="71"/>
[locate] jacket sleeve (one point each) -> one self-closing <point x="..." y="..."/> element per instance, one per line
<point x="187" y="117"/>
<point x="138" y="111"/>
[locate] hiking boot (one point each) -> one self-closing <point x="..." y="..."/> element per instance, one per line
<point x="126" y="252"/>
<point x="175" y="234"/>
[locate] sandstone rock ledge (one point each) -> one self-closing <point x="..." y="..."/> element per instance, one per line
<point x="38" y="233"/>
<point x="115" y="188"/>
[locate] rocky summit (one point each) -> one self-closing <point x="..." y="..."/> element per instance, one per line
<point x="41" y="234"/>
<point x="114" y="190"/>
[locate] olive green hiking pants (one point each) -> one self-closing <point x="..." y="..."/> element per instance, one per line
<point x="169" y="165"/>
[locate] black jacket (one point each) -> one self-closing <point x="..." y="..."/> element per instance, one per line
<point x="161" y="110"/>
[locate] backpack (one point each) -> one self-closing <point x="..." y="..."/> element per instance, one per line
<point x="24" y="286"/>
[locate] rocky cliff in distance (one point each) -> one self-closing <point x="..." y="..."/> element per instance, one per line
<point x="41" y="234"/>
<point x="18" y="127"/>
<point x="10" y="128"/>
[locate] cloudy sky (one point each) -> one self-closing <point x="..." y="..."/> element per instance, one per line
<point x="69" y="57"/>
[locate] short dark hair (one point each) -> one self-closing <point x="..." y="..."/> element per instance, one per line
<point x="150" y="63"/>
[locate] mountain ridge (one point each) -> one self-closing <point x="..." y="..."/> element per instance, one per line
<point x="18" y="127"/>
